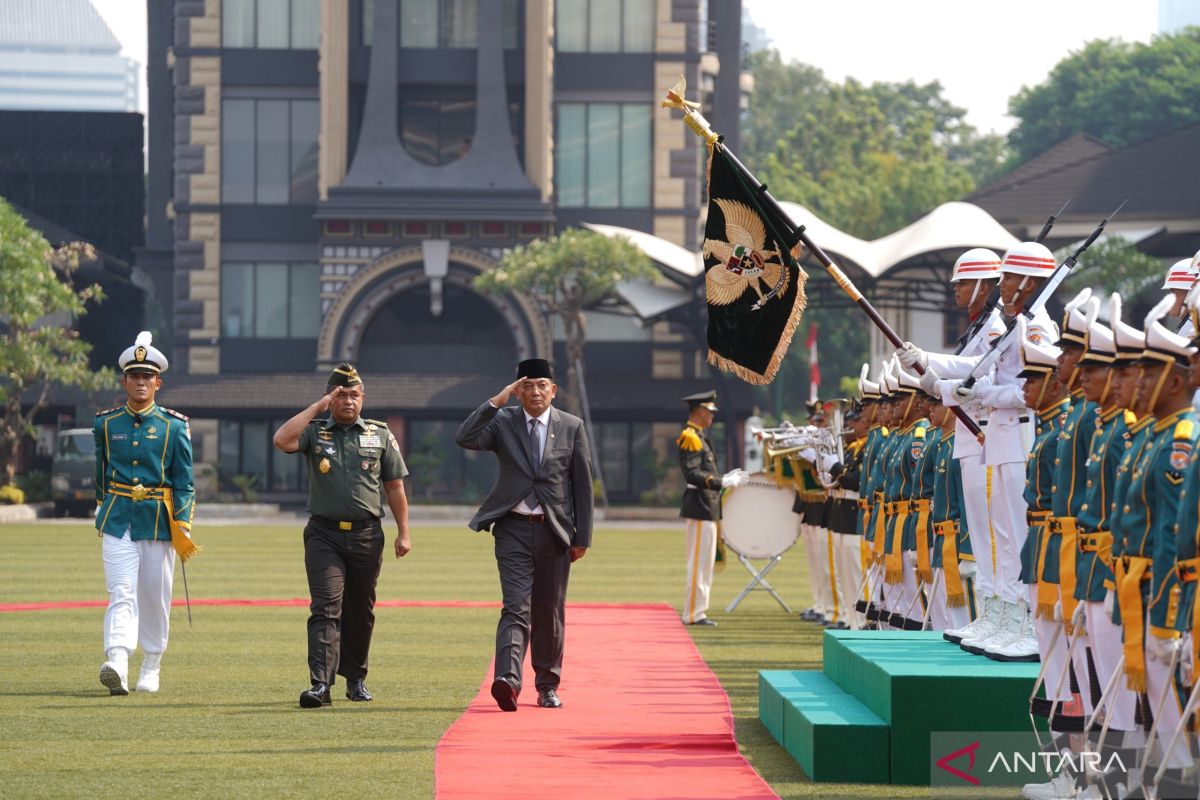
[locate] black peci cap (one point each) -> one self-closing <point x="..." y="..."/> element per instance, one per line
<point x="535" y="368"/>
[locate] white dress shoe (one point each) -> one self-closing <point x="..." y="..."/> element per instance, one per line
<point x="148" y="676"/>
<point x="114" y="673"/>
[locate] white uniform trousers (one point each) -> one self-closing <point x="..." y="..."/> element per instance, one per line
<point x="701" y="553"/>
<point x="847" y="575"/>
<point x="1057" y="679"/>
<point x="1010" y="527"/>
<point x="903" y="595"/>
<point x="941" y="616"/>
<point x="1169" y="714"/>
<point x="820" y="570"/>
<point x="1105" y="640"/>
<point x="139" y="577"/>
<point x="979" y="526"/>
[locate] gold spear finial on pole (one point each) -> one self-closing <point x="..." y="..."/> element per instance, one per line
<point x="691" y="112"/>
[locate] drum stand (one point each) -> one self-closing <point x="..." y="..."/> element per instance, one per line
<point x="758" y="582"/>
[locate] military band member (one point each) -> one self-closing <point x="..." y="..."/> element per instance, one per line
<point x="145" y="499"/>
<point x="354" y="467"/>
<point x="701" y="505"/>
<point x="1147" y="574"/>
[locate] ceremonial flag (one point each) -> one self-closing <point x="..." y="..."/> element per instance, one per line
<point x="754" y="286"/>
<point x="814" y="369"/>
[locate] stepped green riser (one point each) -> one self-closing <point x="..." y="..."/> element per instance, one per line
<point x="828" y="732"/>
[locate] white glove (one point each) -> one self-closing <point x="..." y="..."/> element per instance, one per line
<point x="910" y="354"/>
<point x="963" y="394"/>
<point x="809" y="454"/>
<point x="734" y="478"/>
<point x="1185" y="660"/>
<point x="967" y="569"/>
<point x="1159" y="649"/>
<point x="1110" y="601"/>
<point x="1057" y="612"/>
<point x="828" y="462"/>
<point x="929" y="382"/>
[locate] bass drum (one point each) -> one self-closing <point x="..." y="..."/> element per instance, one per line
<point x="757" y="520"/>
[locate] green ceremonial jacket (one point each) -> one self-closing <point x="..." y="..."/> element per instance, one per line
<point x="1039" y="480"/>
<point x="152" y="449"/>
<point x="1092" y="574"/>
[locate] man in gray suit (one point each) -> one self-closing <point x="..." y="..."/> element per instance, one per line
<point x="540" y="513"/>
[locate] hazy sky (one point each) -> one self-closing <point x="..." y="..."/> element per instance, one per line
<point x="982" y="52"/>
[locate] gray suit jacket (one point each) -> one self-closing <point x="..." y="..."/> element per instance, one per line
<point x="563" y="482"/>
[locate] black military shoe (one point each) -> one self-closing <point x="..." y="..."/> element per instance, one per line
<point x="316" y="697"/>
<point x="357" y="691"/>
<point x="548" y="698"/>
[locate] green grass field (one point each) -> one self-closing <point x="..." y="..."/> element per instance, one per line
<point x="226" y="722"/>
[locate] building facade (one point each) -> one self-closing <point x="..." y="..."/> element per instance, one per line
<point x="327" y="177"/>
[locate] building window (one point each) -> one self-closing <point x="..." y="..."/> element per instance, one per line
<point x="604" y="26"/>
<point x="269" y="300"/>
<point x="246" y="456"/>
<point x="437" y="132"/>
<point x="602" y="155"/>
<point x="444" y="23"/>
<point x="628" y="460"/>
<point x="271" y="24"/>
<point x="269" y="151"/>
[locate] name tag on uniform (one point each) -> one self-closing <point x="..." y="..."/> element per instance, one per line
<point x="117" y="437"/>
<point x="370" y="440"/>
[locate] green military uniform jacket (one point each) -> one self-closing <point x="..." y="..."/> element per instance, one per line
<point x="348" y="466"/>
<point x="1136" y="440"/>
<point x="949" y="504"/>
<point x="138" y="456"/>
<point x="698" y="460"/>
<point x="921" y="485"/>
<point x="1093" y="574"/>
<point x="1151" y="511"/>
<point x="872" y="476"/>
<point x="1039" y="482"/>
<point x="1187" y="529"/>
<point x="900" y="481"/>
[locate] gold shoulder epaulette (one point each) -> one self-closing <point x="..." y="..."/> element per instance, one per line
<point x="689" y="440"/>
<point x="884" y="428"/>
<point x="1130" y="417"/>
<point x="1183" y="429"/>
<point x="107" y="411"/>
<point x="919" y="432"/>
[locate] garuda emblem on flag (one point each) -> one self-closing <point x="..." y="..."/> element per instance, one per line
<point x="754" y="286"/>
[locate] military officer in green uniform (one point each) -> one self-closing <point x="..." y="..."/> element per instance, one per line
<point x="701" y="503"/>
<point x="145" y="499"/>
<point x="354" y="466"/>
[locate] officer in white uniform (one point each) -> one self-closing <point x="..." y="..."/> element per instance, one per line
<point x="1023" y="269"/>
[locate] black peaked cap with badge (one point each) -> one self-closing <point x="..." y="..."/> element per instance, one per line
<point x="706" y="399"/>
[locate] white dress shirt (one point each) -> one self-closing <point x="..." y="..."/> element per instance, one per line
<point x="543" y="421"/>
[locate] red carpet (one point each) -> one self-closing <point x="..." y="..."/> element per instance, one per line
<point x="643" y="717"/>
<point x="287" y="601"/>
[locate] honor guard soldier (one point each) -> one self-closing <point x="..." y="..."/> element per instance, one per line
<point x="1179" y="279"/>
<point x="145" y="500"/>
<point x="868" y="507"/>
<point x="701" y="505"/>
<point x="883" y="518"/>
<point x="918" y="535"/>
<point x="899" y="485"/>
<point x="954" y="599"/>
<point x="354" y="467"/>
<point x="843" y="519"/>
<point x="1147" y="573"/>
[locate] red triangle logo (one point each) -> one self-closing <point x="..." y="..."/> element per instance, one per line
<point x="969" y="750"/>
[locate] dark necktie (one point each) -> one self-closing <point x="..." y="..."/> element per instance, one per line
<point x="536" y="452"/>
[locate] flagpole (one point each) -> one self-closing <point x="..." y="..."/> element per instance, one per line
<point x="700" y="126"/>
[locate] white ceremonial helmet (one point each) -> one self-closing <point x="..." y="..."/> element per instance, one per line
<point x="1182" y="273"/>
<point x="1030" y="259"/>
<point x="977" y="264"/>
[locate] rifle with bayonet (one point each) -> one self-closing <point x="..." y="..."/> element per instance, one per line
<point x="1001" y="343"/>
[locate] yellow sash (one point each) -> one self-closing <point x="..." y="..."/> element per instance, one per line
<point x="1066" y="567"/>
<point x="1131" y="571"/>
<point x="181" y="537"/>
<point x="1187" y="570"/>
<point x="1046" y="591"/>
<point x="956" y="595"/>
<point x="893" y="571"/>
<point x="882" y="512"/>
<point x="924" y="568"/>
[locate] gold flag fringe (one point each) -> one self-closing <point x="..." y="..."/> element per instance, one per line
<point x="799" y="304"/>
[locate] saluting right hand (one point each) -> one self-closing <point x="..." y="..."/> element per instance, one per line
<point x="502" y="398"/>
<point x="323" y="404"/>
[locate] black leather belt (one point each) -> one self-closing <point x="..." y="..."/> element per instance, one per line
<point x="346" y="525"/>
<point x="983" y="422"/>
<point x="532" y="519"/>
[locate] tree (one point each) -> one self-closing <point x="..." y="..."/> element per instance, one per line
<point x="39" y="348"/>
<point x="1114" y="265"/>
<point x="1113" y="90"/>
<point x="568" y="274"/>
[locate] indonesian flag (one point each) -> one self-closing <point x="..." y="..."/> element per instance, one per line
<point x="814" y="369"/>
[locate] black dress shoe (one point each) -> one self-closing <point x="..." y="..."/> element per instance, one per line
<point x="705" y="622"/>
<point x="504" y="694"/>
<point x="357" y="691"/>
<point x="316" y="697"/>
<point x="549" y="699"/>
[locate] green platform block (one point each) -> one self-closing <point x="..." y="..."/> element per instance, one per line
<point x="917" y="683"/>
<point x="823" y="728"/>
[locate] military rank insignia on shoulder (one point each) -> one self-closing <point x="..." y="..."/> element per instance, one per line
<point x="689" y="440"/>
<point x="107" y="411"/>
<point x="1181" y="447"/>
<point x="187" y="426"/>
